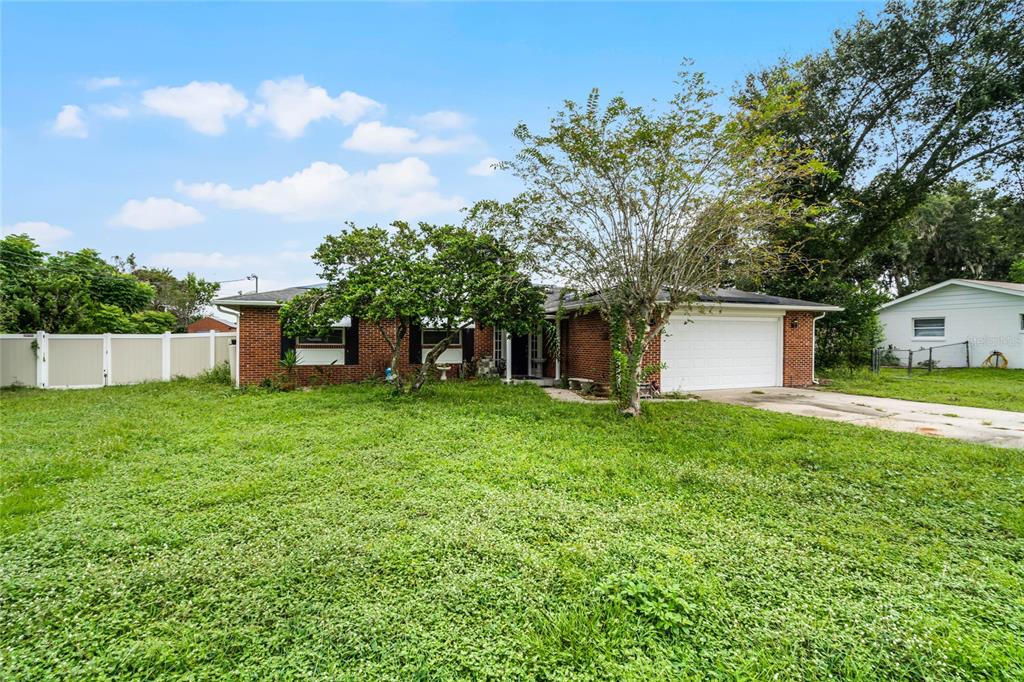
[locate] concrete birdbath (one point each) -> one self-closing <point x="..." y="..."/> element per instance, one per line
<point x="443" y="369"/>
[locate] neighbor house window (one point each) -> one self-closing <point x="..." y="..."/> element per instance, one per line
<point x="335" y="338"/>
<point x="1022" y="322"/>
<point x="929" y="327"/>
<point x="432" y="337"/>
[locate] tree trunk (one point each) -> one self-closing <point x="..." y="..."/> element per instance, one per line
<point x="395" y="346"/>
<point x="631" y="406"/>
<point x="428" y="364"/>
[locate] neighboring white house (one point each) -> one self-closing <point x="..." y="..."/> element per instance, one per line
<point x="988" y="314"/>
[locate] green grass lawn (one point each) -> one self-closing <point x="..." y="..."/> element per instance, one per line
<point x="184" y="530"/>
<point x="1002" y="389"/>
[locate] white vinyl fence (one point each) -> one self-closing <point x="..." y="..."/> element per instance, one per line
<point x="94" y="360"/>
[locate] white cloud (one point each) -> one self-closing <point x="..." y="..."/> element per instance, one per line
<point x="45" y="234"/>
<point x="374" y="137"/>
<point x="204" y="106"/>
<point x="103" y="82"/>
<point x="405" y="189"/>
<point x="111" y="110"/>
<point x="484" y="167"/>
<point x="442" y="119"/>
<point x="156" y="214"/>
<point x="197" y="260"/>
<point x="291" y="104"/>
<point x="69" y="122"/>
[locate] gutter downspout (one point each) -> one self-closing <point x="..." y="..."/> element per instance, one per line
<point x="814" y="348"/>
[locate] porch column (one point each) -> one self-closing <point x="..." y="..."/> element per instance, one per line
<point x="558" y="353"/>
<point x="508" y="357"/>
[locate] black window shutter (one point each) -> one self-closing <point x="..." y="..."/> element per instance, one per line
<point x="287" y="344"/>
<point x="415" y="345"/>
<point x="352" y="343"/>
<point x="467" y="345"/>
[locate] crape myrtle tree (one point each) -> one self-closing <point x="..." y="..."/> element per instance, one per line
<point x="441" y="276"/>
<point x="647" y="209"/>
<point x="897" y="106"/>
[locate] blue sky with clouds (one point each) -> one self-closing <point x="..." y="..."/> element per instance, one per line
<point x="229" y="138"/>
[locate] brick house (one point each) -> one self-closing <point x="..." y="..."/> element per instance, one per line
<point x="207" y="324"/>
<point x="733" y="339"/>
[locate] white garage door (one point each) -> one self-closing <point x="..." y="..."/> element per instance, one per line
<point x="721" y="352"/>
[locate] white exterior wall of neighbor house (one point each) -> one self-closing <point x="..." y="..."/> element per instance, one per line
<point x="990" y="320"/>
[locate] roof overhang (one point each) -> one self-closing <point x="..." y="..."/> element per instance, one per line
<point x="228" y="303"/>
<point x="821" y="308"/>
<point x="959" y="282"/>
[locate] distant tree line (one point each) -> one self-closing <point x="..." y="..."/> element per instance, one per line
<point x="80" y="293"/>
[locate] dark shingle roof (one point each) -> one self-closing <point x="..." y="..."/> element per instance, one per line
<point x="727" y="296"/>
<point x="267" y="298"/>
<point x="720" y="296"/>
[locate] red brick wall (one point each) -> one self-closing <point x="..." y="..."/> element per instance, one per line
<point x="483" y="342"/>
<point x="259" y="333"/>
<point x="798" y="348"/>
<point x="588" y="352"/>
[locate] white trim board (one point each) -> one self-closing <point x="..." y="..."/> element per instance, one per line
<point x="960" y="282"/>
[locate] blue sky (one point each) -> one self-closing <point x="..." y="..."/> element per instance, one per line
<point x="227" y="139"/>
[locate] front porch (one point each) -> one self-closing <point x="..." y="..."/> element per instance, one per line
<point x="525" y="358"/>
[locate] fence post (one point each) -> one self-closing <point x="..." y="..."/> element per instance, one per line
<point x="910" y="362"/>
<point x="165" y="356"/>
<point x="42" y="351"/>
<point x="967" y="347"/>
<point x="929" y="360"/>
<point x="213" y="348"/>
<point x="107" y="340"/>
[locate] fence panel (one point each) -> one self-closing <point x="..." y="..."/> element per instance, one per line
<point x="93" y="360"/>
<point x="134" y="359"/>
<point x="190" y="355"/>
<point x="926" y="358"/>
<point x="17" y="360"/>
<point x="222" y="351"/>
<point x="75" y="360"/>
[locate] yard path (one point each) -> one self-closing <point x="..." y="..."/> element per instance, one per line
<point x="1001" y="428"/>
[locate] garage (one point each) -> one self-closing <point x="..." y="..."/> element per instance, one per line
<point x="717" y="351"/>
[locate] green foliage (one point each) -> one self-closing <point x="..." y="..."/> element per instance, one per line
<point x="441" y="275"/>
<point x="184" y="298"/>
<point x="896" y="107"/>
<point x="960" y="231"/>
<point x="641" y="206"/>
<point x="72" y="292"/>
<point x="218" y="374"/>
<point x="1017" y="271"/>
<point x="484" y="531"/>
<point x="153" y="322"/>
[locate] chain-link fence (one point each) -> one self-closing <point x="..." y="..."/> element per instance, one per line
<point x="946" y="356"/>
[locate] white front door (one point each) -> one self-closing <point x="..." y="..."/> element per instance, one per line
<point x="716" y="351"/>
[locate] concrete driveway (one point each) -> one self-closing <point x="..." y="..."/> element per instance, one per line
<point x="1001" y="428"/>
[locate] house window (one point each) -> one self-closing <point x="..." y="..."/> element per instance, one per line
<point x="1022" y="322"/>
<point x="499" y="344"/>
<point x="432" y="337"/>
<point x="335" y="338"/>
<point x="929" y="327"/>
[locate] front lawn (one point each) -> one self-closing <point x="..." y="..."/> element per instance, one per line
<point x="184" y="530"/>
<point x="1002" y="389"/>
